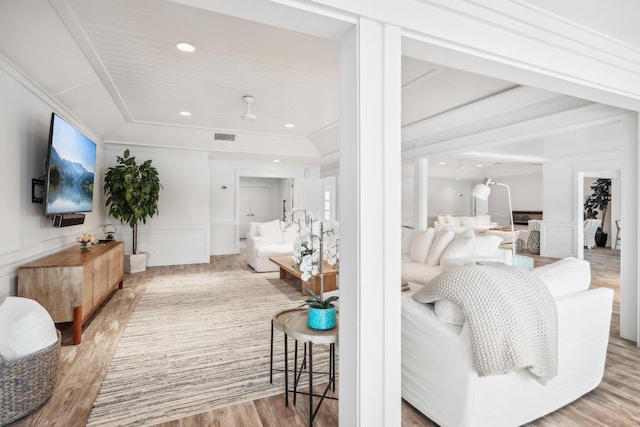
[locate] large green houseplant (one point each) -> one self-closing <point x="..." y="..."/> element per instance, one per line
<point x="132" y="192"/>
<point x="596" y="202"/>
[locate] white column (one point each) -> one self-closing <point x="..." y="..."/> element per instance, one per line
<point x="370" y="178"/>
<point x="630" y="206"/>
<point x="420" y="199"/>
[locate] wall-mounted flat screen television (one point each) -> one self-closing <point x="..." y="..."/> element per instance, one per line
<point x="70" y="169"/>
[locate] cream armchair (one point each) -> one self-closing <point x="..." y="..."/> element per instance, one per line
<point x="269" y="239"/>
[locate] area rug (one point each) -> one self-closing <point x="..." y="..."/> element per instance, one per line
<point x="196" y="343"/>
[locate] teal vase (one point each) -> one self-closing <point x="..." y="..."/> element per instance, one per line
<point x="322" y="318"/>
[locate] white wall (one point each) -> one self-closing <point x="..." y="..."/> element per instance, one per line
<point x="449" y="197"/>
<point x="564" y="199"/>
<point x="453" y="196"/>
<point x="224" y="184"/>
<point x="25" y="114"/>
<point x="179" y="234"/>
<point x="526" y="195"/>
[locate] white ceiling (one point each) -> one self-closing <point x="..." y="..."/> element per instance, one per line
<point x="113" y="65"/>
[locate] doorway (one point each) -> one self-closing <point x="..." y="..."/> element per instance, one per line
<point x="255" y="206"/>
<point x="261" y="199"/>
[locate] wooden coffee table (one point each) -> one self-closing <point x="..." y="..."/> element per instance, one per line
<point x="288" y="272"/>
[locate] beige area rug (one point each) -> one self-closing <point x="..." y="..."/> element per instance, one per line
<point x="195" y="343"/>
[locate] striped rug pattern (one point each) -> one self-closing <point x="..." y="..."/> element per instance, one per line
<point x="196" y="343"/>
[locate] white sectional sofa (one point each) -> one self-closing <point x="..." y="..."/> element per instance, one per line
<point x="269" y="239"/>
<point x="438" y="373"/>
<point x="458" y="223"/>
<point x="426" y="253"/>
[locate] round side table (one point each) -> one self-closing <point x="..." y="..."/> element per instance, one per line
<point x="277" y="322"/>
<point x="296" y="327"/>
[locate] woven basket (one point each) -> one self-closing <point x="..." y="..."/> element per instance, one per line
<point x="27" y="383"/>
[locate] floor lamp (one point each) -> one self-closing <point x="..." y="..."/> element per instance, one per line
<point x="482" y="191"/>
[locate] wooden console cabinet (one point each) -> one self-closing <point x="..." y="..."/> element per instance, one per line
<point x="71" y="284"/>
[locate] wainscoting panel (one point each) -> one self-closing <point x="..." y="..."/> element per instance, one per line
<point x="175" y="244"/>
<point x="223" y="238"/>
<point x="557" y="239"/>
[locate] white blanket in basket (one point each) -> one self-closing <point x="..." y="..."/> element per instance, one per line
<point x="511" y="314"/>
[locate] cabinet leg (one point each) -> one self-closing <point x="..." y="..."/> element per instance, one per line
<point x="120" y="285"/>
<point x="77" y="325"/>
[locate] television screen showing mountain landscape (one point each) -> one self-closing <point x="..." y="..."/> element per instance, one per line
<point x="72" y="161"/>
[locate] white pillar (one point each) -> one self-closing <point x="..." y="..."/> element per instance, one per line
<point x="370" y="184"/>
<point x="420" y="199"/>
<point x="630" y="206"/>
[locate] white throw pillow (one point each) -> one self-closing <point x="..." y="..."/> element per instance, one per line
<point x="421" y="244"/>
<point x="467" y="221"/>
<point x="442" y="219"/>
<point x="463" y="246"/>
<point x="483" y="220"/>
<point x="449" y="312"/>
<point x="271" y="231"/>
<point x="486" y="246"/>
<point x="440" y="243"/>
<point x="26" y="328"/>
<point x="566" y="276"/>
<point x="407" y="236"/>
<point x="291" y="233"/>
<point x="453" y="220"/>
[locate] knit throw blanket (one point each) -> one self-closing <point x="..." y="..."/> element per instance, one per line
<point x="511" y="315"/>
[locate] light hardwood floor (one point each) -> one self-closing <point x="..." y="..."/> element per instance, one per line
<point x="616" y="402"/>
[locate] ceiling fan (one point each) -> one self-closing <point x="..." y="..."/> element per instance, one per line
<point x="248" y="116"/>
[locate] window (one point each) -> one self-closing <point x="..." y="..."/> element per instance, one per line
<point x="329" y="199"/>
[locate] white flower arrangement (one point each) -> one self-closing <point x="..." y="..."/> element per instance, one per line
<point x="87" y="239"/>
<point x="313" y="245"/>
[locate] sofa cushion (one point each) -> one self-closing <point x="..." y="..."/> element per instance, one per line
<point x="486" y="246"/>
<point x="26" y="328"/>
<point x="467" y="221"/>
<point x="566" y="276"/>
<point x="291" y="233"/>
<point x="443" y="238"/>
<point x="483" y="220"/>
<point x="463" y="246"/>
<point x="418" y="272"/>
<point x="271" y="231"/>
<point x="407" y="235"/>
<point x="453" y="220"/>
<point x="421" y="243"/>
<point x="275" y="249"/>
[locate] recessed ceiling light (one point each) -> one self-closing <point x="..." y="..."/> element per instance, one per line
<point x="276" y="161"/>
<point x="443" y="163"/>
<point x="185" y="113"/>
<point x="185" y="47"/>
<point x="289" y="125"/>
<point x="479" y="165"/>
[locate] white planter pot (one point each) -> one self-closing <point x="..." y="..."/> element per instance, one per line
<point x="135" y="263"/>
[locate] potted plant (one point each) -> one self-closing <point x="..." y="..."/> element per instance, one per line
<point x="132" y="196"/>
<point x="322" y="312"/>
<point x="309" y="258"/>
<point x="598" y="201"/>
